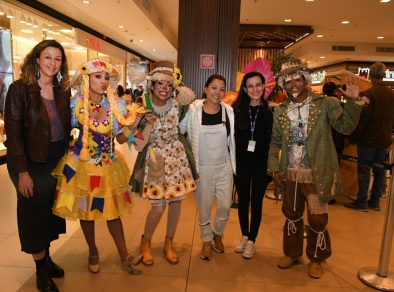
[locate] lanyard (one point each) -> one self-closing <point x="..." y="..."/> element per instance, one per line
<point x="253" y="121"/>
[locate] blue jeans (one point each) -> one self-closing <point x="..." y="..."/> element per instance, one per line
<point x="367" y="157"/>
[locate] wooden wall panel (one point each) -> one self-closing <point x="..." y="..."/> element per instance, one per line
<point x="208" y="27"/>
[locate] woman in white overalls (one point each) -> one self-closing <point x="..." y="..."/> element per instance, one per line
<point x="209" y="124"/>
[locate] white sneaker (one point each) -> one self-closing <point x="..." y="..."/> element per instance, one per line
<point x="249" y="250"/>
<point x="241" y="245"/>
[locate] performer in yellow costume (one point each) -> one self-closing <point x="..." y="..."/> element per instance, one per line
<point x="93" y="177"/>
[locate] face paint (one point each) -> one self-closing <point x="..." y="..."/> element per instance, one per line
<point x="294" y="84"/>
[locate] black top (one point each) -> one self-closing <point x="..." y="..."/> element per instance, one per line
<point x="262" y="135"/>
<point x="215" y="119"/>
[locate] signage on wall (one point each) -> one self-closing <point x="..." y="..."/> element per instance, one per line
<point x="207" y="61"/>
<point x="318" y="77"/>
<point x="94" y="43"/>
<point x="364" y="72"/>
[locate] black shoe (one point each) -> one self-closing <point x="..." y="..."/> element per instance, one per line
<point x="374" y="205"/>
<point x="332" y="201"/>
<point x="54" y="270"/>
<point x="45" y="283"/>
<point x="357" y="206"/>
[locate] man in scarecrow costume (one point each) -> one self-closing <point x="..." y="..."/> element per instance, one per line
<point x="303" y="161"/>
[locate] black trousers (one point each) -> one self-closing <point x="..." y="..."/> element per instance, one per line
<point x="37" y="226"/>
<point x="250" y="182"/>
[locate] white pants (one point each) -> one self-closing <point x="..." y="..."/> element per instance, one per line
<point x="215" y="181"/>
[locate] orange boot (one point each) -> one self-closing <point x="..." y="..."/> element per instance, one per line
<point x="169" y="252"/>
<point x="147" y="258"/>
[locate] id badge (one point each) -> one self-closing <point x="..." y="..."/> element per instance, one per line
<point x="251" y="145"/>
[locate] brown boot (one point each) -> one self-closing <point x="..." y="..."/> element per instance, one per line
<point x="286" y="262"/>
<point x="315" y="270"/>
<point x="169" y="252"/>
<point x="145" y="251"/>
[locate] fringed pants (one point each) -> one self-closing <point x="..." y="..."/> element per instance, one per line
<point x="318" y="246"/>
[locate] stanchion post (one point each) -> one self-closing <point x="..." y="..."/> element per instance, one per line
<point x="380" y="278"/>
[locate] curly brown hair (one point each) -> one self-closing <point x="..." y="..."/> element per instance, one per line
<point x="30" y="66"/>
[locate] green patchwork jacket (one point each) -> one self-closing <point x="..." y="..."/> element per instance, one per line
<point x="324" y="112"/>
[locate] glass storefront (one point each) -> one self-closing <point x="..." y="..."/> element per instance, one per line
<point x="27" y="28"/>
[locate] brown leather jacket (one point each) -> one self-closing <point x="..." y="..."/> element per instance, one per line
<point x="27" y="124"/>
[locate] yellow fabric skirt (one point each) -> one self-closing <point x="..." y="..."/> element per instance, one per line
<point x="88" y="191"/>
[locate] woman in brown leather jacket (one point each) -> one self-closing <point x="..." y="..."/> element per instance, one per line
<point x="38" y="124"/>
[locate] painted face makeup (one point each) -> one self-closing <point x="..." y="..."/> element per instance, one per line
<point x="294" y="84"/>
<point x="162" y="89"/>
<point x="98" y="82"/>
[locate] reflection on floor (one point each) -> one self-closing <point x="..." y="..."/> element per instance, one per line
<point x="356" y="239"/>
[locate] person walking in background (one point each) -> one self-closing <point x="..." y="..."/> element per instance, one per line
<point x="253" y="127"/>
<point x="307" y="167"/>
<point x="373" y="136"/>
<point x="209" y="124"/>
<point x="93" y="176"/>
<point x="138" y="92"/>
<point x="164" y="171"/>
<point x="38" y="125"/>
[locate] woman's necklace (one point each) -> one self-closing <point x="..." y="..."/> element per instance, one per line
<point x="162" y="110"/>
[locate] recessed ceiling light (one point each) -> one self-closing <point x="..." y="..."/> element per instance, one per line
<point x="66" y="30"/>
<point x="322" y="57"/>
<point x="141" y="41"/>
<point x="345" y="22"/>
<point x="86" y="2"/>
<point x="287" y="20"/>
<point x="320" y="36"/>
<point x="50" y="24"/>
<point x="26" y="31"/>
<point x="154" y="50"/>
<point x="384" y="1"/>
<point x="308" y="61"/>
<point x="309" y="0"/>
<point x="380" y="37"/>
<point x="121" y="26"/>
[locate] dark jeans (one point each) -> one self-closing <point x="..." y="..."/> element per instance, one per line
<point x="367" y="156"/>
<point x="247" y="176"/>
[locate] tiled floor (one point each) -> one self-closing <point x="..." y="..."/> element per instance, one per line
<point x="355" y="236"/>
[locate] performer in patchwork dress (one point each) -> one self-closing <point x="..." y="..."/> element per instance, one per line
<point x="163" y="172"/>
<point x="93" y="176"/>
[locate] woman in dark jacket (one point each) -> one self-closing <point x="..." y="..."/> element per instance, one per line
<point x="38" y="124"/>
<point x="253" y="127"/>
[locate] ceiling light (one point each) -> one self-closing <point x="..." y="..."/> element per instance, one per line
<point x="380" y="37"/>
<point x="10" y="14"/>
<point x="65" y="44"/>
<point x="121" y="26"/>
<point x="23" y="19"/>
<point x="86" y="2"/>
<point x="35" y="23"/>
<point x="345" y="22"/>
<point x="320" y="36"/>
<point x="28" y="21"/>
<point x="141" y="41"/>
<point x="384" y="1"/>
<point x="154" y="50"/>
<point x="309" y="0"/>
<point x="287" y="20"/>
<point x="2" y="10"/>
<point x="322" y="57"/>
<point x="26" y="31"/>
<point x="49" y="24"/>
<point x="66" y="30"/>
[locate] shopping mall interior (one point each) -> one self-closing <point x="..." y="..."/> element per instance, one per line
<point x="333" y="38"/>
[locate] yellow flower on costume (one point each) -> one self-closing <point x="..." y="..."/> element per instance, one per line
<point x="177" y="76"/>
